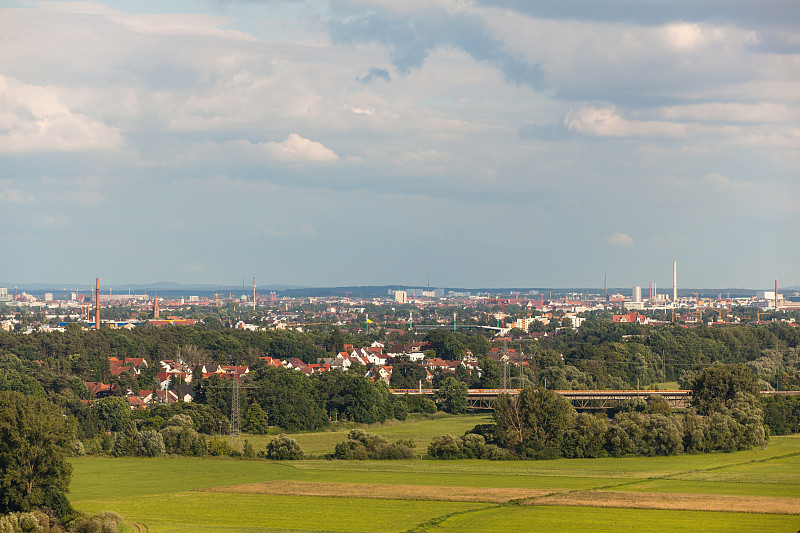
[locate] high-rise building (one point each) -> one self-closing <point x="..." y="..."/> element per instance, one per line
<point x="400" y="297"/>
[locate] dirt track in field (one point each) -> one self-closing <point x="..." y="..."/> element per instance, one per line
<point x="673" y="501"/>
<point x="388" y="492"/>
<point x="599" y="498"/>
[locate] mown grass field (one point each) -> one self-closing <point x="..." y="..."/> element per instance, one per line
<point x="681" y="493"/>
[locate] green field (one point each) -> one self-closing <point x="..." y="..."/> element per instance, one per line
<point x="680" y="493"/>
<point x="420" y="430"/>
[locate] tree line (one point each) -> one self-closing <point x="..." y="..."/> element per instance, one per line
<point x="726" y="415"/>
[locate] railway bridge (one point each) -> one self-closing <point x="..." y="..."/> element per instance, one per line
<point x="580" y="399"/>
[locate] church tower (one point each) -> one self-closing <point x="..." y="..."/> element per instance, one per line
<point x="155" y="308"/>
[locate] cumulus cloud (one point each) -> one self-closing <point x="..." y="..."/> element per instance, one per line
<point x="298" y="148"/>
<point x="607" y="122"/>
<point x="620" y="239"/>
<point x="34" y="119"/>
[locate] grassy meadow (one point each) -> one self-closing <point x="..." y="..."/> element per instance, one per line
<point x="757" y="490"/>
<point x="419" y="428"/>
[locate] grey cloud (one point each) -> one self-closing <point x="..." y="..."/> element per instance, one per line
<point x="544" y="132"/>
<point x="656" y="12"/>
<point x="412" y="39"/>
<point x="373" y="73"/>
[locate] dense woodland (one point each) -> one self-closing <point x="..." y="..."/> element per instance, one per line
<point x="601" y="354"/>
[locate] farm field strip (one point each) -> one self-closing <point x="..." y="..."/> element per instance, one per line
<point x="219" y="511"/>
<point x="392" y="492"/>
<point x="524" y="519"/>
<point x="673" y="501"/>
<point x="189" y="494"/>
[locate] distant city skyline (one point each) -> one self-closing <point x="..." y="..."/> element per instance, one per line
<point x="318" y="143"/>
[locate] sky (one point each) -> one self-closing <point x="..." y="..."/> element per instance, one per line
<point x="461" y="143"/>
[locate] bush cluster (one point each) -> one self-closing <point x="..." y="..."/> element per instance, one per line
<point x="33" y="522"/>
<point x="283" y="448"/>
<point x="469" y="446"/>
<point x="104" y="522"/>
<point x="177" y="437"/>
<point x="782" y="414"/>
<point x="361" y="444"/>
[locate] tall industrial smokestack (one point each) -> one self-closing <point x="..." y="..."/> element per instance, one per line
<point x="674" y="281"/>
<point x="97" y="304"/>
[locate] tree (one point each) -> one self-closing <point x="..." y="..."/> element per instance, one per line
<point x="256" y="420"/>
<point x="113" y="413"/>
<point x="716" y="385"/>
<point x="446" y="344"/>
<point x="406" y="374"/>
<point x="35" y="441"/>
<point x="452" y="396"/>
<point x="534" y="422"/>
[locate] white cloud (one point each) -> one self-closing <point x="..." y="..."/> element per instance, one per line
<point x="729" y="112"/>
<point x="34" y="119"/>
<point x="724" y="183"/>
<point x="54" y="220"/>
<point x="620" y="239"/>
<point x="297" y="148"/>
<point x="364" y="111"/>
<point x="14" y="196"/>
<point x="607" y="122"/>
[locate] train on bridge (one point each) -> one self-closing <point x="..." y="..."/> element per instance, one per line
<point x="580" y="399"/>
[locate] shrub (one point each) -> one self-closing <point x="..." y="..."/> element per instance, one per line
<point x="493" y="452"/>
<point x="182" y="440"/>
<point x="105" y="522"/>
<point x="34" y="522"/>
<point x="78" y="448"/>
<point x="184" y="421"/>
<point x="125" y="440"/>
<point x="247" y="450"/>
<point x="217" y="446"/>
<point x="361" y="445"/>
<point x="445" y="447"/>
<point x="473" y="446"/>
<point x="400" y="410"/>
<point x="149" y="443"/>
<point x="419" y="403"/>
<point x="283" y="448"/>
